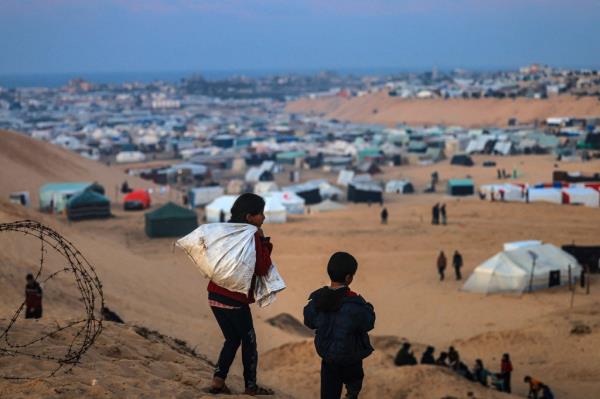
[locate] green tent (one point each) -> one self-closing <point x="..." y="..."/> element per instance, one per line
<point x="54" y="196"/>
<point x="461" y="187"/>
<point x="170" y="220"/>
<point x="87" y="205"/>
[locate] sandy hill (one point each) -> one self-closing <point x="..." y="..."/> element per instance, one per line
<point x="26" y="164"/>
<point x="380" y="108"/>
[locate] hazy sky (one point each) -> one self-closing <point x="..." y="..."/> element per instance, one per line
<point x="40" y="36"/>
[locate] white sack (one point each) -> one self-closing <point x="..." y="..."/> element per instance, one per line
<point x="224" y="253"/>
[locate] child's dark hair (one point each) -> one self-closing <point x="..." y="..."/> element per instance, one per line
<point x="340" y="265"/>
<point x="246" y="203"/>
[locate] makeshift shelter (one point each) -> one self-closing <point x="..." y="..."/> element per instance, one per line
<point x="293" y="203"/>
<point x="399" y="187"/>
<point x="552" y="195"/>
<point x="235" y="186"/>
<point x="587" y="256"/>
<point x="368" y="191"/>
<point x="265" y="187"/>
<point x="310" y="191"/>
<point x="136" y="200"/>
<point x="200" y="196"/>
<point x="20" y="198"/>
<point x="170" y="220"/>
<point x="368" y="167"/>
<point x="54" y="196"/>
<point x="462" y="160"/>
<point x="461" y="187"/>
<point x="506" y="192"/>
<point x="345" y="177"/>
<point x="581" y="196"/>
<point x="87" y="205"/>
<point x="537" y="266"/>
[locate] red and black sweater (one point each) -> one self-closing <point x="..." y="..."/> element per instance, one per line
<point x="263" y="263"/>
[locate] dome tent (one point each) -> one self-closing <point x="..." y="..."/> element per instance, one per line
<point x="87" y="205"/>
<point x="514" y="270"/>
<point x="170" y="220"/>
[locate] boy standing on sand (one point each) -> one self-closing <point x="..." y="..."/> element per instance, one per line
<point x="342" y="320"/>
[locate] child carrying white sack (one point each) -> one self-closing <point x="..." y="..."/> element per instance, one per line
<point x="225" y="253"/>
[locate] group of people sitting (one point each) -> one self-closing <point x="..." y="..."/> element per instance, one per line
<point x="501" y="381"/>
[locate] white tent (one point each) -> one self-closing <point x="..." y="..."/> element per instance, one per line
<point x="200" y="196"/>
<point x="274" y="210"/>
<point x="514" y="270"/>
<point x="582" y="195"/>
<point x="130" y="156"/>
<point x="553" y="195"/>
<point x="345" y="177"/>
<point x="292" y="202"/>
<point x="398" y="186"/>
<point x="512" y="192"/>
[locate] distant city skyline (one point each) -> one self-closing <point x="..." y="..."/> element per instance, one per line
<point x="155" y="36"/>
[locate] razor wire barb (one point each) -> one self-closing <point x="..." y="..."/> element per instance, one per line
<point x="86" y="329"/>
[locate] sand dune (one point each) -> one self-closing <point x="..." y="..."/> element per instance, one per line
<point x="150" y="284"/>
<point x="382" y="109"/>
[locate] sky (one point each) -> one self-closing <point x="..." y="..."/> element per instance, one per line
<point x="67" y="36"/>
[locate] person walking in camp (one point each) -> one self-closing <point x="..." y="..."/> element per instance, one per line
<point x="384" y="216"/>
<point x="232" y="310"/>
<point x="506" y="370"/>
<point x="342" y="320"/>
<point x="441" y="265"/>
<point x="457" y="262"/>
<point x="435" y="214"/>
<point x="443" y="213"/>
<point x="33" y="298"/>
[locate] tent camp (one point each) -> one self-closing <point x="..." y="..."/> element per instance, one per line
<point x="368" y="191"/>
<point x="136" y="200"/>
<point x="87" y="205"/>
<point x="462" y="160"/>
<point x="200" y="196"/>
<point x="514" y="270"/>
<point x="399" y="187"/>
<point x="170" y="220"/>
<point x="54" y="196"/>
<point x="275" y="211"/>
<point x="460" y="187"/>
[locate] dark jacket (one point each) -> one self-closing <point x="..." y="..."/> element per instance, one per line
<point x="341" y="319"/>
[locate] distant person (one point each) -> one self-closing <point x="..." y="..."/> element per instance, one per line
<point x="125" y="187"/>
<point x="499" y="174"/>
<point x="453" y="357"/>
<point x="109" y="315"/>
<point x="463" y="370"/>
<point x="480" y="374"/>
<point x="185" y="199"/>
<point x="222" y="216"/>
<point x="441" y="265"/>
<point x="33" y="298"/>
<point x="405" y="357"/>
<point x="442" y="360"/>
<point x="434" y="178"/>
<point x="443" y="213"/>
<point x="535" y="387"/>
<point x="384" y="216"/>
<point x="501" y="195"/>
<point x="506" y="369"/>
<point x="435" y="214"/>
<point x="427" y="357"/>
<point x="457" y="262"/>
<point x="527" y="195"/>
<point x="342" y="320"/>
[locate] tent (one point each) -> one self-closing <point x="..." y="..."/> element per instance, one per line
<point x="293" y="203"/>
<point x="399" y="187"/>
<point x="345" y="177"/>
<point x="87" y="205"/>
<point x="460" y="187"/>
<point x="275" y="211"/>
<point x="368" y="191"/>
<point x="310" y="191"/>
<point x="138" y="199"/>
<point x="54" y="196"/>
<point x="462" y="160"/>
<point x="508" y="192"/>
<point x="587" y="256"/>
<point x="200" y="196"/>
<point x="582" y="196"/>
<point x="553" y="195"/>
<point x="170" y="220"/>
<point x="265" y="187"/>
<point x="514" y="270"/>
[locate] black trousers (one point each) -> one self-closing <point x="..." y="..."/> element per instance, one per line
<point x="334" y="377"/>
<point x="237" y="328"/>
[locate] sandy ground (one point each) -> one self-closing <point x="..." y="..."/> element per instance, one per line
<point x="380" y="108"/>
<point x="149" y="283"/>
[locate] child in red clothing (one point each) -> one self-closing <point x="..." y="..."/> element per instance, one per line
<point x="232" y="310"/>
